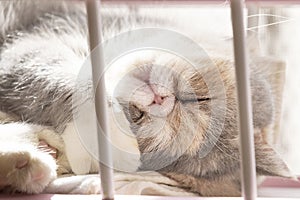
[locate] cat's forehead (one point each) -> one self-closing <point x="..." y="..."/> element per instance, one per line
<point x="178" y="71"/>
<point x="163" y="66"/>
<point x="154" y="64"/>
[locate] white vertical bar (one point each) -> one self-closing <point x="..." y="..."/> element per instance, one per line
<point x="94" y="24"/>
<point x="249" y="186"/>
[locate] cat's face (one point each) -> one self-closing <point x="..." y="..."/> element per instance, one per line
<point x="168" y="104"/>
<point x="185" y="117"/>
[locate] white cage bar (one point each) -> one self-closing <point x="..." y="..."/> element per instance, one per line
<point x="249" y="186"/>
<point x="105" y="158"/>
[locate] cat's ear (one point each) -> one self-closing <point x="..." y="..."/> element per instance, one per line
<point x="268" y="161"/>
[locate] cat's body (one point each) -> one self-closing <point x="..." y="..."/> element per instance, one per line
<point x="41" y="56"/>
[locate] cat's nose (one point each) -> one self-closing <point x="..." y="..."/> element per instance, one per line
<point x="161" y="105"/>
<point x="158" y="99"/>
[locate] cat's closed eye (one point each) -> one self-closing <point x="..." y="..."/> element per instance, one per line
<point x="191" y="98"/>
<point x="194" y="100"/>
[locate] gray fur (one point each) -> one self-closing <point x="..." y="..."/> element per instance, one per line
<point x="32" y="83"/>
<point x="35" y="51"/>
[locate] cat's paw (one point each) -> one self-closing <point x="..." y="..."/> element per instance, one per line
<point x="26" y="169"/>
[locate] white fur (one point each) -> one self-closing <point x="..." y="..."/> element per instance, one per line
<point x="18" y="144"/>
<point x="82" y="152"/>
<point x="79" y="159"/>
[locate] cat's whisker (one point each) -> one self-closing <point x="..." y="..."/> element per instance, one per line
<point x="267" y="15"/>
<point x="267" y="25"/>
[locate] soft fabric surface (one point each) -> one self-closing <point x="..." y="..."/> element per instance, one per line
<point x="142" y="183"/>
<point x="152" y="183"/>
<point x="119" y="197"/>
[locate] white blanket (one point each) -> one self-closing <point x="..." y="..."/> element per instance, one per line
<point x="141" y="183"/>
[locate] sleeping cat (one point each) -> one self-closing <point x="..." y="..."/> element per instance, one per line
<point x="172" y="108"/>
<point x="173" y="120"/>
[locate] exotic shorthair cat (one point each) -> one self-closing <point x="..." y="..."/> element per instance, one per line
<point x="172" y="107"/>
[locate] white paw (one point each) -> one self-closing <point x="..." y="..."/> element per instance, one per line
<point x="26" y="169"/>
